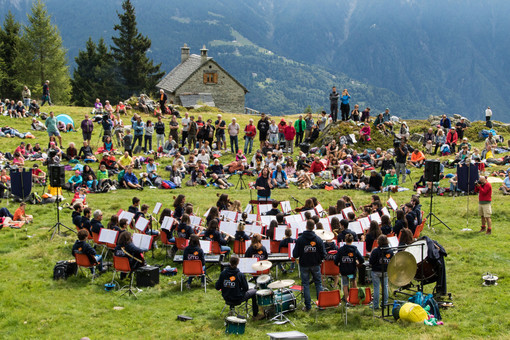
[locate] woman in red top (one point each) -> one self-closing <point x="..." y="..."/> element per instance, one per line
<point x="484" y="190"/>
<point x="289" y="133"/>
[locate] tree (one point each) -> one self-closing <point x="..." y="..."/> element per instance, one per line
<point x="43" y="56"/>
<point x="138" y="73"/>
<point x="94" y="75"/>
<point x="10" y="40"/>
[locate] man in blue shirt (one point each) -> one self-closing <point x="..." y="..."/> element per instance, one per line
<point x="130" y="179"/>
<point x="445" y="123"/>
<point x="505" y="186"/>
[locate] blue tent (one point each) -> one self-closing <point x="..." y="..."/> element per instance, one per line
<point x="66" y="119"/>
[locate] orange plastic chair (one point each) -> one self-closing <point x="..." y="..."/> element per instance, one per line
<point x="165" y="242"/>
<point x="354" y="300"/>
<point x="329" y="269"/>
<point x="274" y="246"/>
<point x="83" y="261"/>
<point x="328" y="299"/>
<point x="193" y="268"/>
<point x="216" y="249"/>
<point x="181" y="243"/>
<point x="121" y="264"/>
<point x="239" y="247"/>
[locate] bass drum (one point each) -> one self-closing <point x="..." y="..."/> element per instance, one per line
<point x="285" y="301"/>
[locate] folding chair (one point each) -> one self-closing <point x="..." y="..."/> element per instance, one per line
<point x="239" y="247"/>
<point x="193" y="268"/>
<point x="181" y="243"/>
<point x="121" y="264"/>
<point x="165" y="242"/>
<point x="216" y="249"/>
<point x="328" y="299"/>
<point x="329" y="270"/>
<point x="83" y="261"/>
<point x="354" y="300"/>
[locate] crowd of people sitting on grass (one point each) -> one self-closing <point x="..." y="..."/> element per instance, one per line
<point x="126" y="156"/>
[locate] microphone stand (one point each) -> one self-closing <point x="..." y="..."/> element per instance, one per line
<point x="296" y="201"/>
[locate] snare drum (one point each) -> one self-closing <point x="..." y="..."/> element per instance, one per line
<point x="234" y="325"/>
<point x="285" y="301"/>
<point x="265" y="297"/>
<point x="419" y="250"/>
<point x="263" y="281"/>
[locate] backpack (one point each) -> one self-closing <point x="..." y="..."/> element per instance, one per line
<point x="138" y="149"/>
<point x="64" y="269"/>
<point x="166" y="184"/>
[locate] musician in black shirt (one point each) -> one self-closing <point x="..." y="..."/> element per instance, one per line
<point x="263" y="185"/>
<point x="256" y="249"/>
<point x="194" y="252"/>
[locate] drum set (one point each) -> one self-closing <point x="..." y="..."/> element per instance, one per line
<point x="275" y="298"/>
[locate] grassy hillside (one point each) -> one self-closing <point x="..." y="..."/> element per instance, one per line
<point x="32" y="305"/>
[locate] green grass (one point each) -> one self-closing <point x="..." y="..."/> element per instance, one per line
<point x="32" y="305"/>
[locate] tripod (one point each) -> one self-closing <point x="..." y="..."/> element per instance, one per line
<point x="56" y="227"/>
<point x="431" y="214"/>
<point x="240" y="182"/>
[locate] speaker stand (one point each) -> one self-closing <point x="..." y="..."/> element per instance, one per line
<point x="431" y="214"/>
<point x="56" y="227"/>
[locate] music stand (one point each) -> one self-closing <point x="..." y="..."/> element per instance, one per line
<point x="240" y="181"/>
<point x="431" y="214"/>
<point x="56" y="227"/>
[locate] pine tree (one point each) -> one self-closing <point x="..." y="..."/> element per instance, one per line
<point x="43" y="56"/>
<point x="138" y="72"/>
<point x="94" y="75"/>
<point x="10" y="39"/>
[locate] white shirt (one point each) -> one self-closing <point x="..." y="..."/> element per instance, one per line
<point x="233" y="129"/>
<point x="488" y="113"/>
<point x="185" y="124"/>
<point x="204" y="158"/>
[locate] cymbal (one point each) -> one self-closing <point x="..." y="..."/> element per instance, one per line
<point x="280" y="284"/>
<point x="402" y="268"/>
<point x="261" y="265"/>
<point x="325" y="235"/>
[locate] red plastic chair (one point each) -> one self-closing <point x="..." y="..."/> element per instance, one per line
<point x="329" y="269"/>
<point x="239" y="247"/>
<point x="83" y="261"/>
<point x="193" y="268"/>
<point x="121" y="264"/>
<point x="165" y="242"/>
<point x="354" y="300"/>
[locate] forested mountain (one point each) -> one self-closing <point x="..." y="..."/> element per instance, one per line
<point x="416" y="57"/>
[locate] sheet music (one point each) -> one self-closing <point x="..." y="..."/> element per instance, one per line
<point x="228" y="227"/>
<point x="365" y="223"/>
<point x="319" y="209"/>
<point x="312" y="213"/>
<point x="267" y="219"/>
<point x="229" y="215"/>
<point x="206" y="246"/>
<point x="291" y="249"/>
<point x="263" y="208"/>
<point x="127" y="215"/>
<point x="142" y="241"/>
<point x="245" y="264"/>
<point x="254" y="229"/>
<point x="385" y="212"/>
<point x="250" y="218"/>
<point x="360" y="245"/>
<point x="393" y="241"/>
<point x="247" y="244"/>
<point x="195" y="221"/>
<point x="325" y="223"/>
<point x="167" y="223"/>
<point x="141" y="224"/>
<point x="339" y="216"/>
<point x="267" y="244"/>
<point x="108" y="236"/>
<point x="279" y="233"/>
<point x="347" y="210"/>
<point x="392" y="204"/>
<point x="207" y="213"/>
<point x="157" y="208"/>
<point x="375" y="217"/>
<point x="300" y="226"/>
<point x="248" y="209"/>
<point x="286" y="208"/>
<point x="293" y="218"/>
<point x="356" y="227"/>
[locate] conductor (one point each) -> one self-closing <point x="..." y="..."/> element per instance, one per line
<point x="310" y="251"/>
<point x="234" y="287"/>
